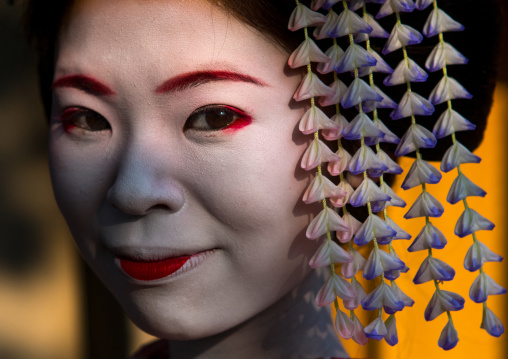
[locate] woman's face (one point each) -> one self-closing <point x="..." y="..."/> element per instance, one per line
<point x="174" y="136"/>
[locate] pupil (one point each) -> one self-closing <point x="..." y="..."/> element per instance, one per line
<point x="219" y="118"/>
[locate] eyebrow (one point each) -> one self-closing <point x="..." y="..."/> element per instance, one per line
<point x="197" y="78"/>
<point x="83" y="83"/>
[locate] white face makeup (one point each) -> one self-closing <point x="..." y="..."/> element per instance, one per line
<point x="173" y="134"/>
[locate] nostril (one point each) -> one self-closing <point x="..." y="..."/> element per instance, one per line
<point x="159" y="207"/>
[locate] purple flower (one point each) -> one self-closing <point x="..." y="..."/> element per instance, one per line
<point x="393" y="167"/>
<point x="442" y="301"/>
<point x="482" y="287"/>
<point x="350" y="268"/>
<point x="471" y="221"/>
<point x="379" y="261"/>
<point x="415" y="137"/>
<point x="344" y="325"/>
<point x="329" y="252"/>
<point x="381" y="65"/>
<point x="389" y="6"/>
<point x="433" y="269"/>
<point x="377" y="30"/>
<point x="401" y="35"/>
<point x="456" y="155"/>
<point x="306" y="53"/>
<point x="376" y="329"/>
<point x="425" y="205"/>
<point x="400" y="233"/>
<point x="326" y="220"/>
<point x="355" y="56"/>
<point x="321" y="188"/>
<point x="444" y="54"/>
<point x="367" y="191"/>
<point x="391" y="336"/>
<point x="406" y="71"/>
<point x="448" y="89"/>
<point x="334" y="287"/>
<point x="429" y="237"/>
<point x="362" y="125"/>
<point x="491" y="323"/>
<point x="373" y="227"/>
<point x="477" y="255"/>
<point x="386" y="102"/>
<point x="421" y="4"/>
<point x="412" y="104"/>
<point x="312" y="86"/>
<point x="462" y="188"/>
<point x="421" y="172"/>
<point x="365" y="159"/>
<point x="389" y="136"/>
<point x="340" y="89"/>
<point x="439" y="21"/>
<point x="383" y="296"/>
<point x="395" y="200"/>
<point x="359" y="91"/>
<point x="348" y="22"/>
<point x="448" y="338"/>
<point x="302" y="17"/>
<point x="395" y="273"/>
<point x="352" y="304"/>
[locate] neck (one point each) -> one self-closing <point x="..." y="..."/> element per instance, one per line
<point x="294" y="327"/>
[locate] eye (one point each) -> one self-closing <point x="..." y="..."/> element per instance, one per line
<point x="216" y="117"/>
<point x="84" y="119"/>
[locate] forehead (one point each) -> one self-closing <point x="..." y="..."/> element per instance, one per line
<point x="181" y="35"/>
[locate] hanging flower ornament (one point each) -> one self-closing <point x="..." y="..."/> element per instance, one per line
<point x="367" y="128"/>
<point x="449" y="123"/>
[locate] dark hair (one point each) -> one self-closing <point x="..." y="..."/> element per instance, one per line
<point x="479" y="43"/>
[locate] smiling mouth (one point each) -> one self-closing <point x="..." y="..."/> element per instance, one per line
<point x="148" y="270"/>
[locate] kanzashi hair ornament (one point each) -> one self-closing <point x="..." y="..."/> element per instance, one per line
<point x="379" y="228"/>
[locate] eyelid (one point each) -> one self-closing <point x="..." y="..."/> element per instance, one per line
<point x="243" y="119"/>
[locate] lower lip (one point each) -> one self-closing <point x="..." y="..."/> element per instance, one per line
<point x="147" y="271"/>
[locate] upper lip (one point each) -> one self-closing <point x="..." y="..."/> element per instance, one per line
<point x="153" y="254"/>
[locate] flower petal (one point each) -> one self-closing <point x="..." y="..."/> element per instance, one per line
<point x="491" y="323"/>
<point x="352" y="304"/>
<point x="312" y="86"/>
<point x="441" y="301"/>
<point x="421" y="172"/>
<point x="482" y="287"/>
<point x="348" y="22"/>
<point x="335" y="168"/>
<point x="448" y="338"/>
<point x="334" y="287"/>
<point x="401" y="35"/>
<point x="344" y="325"/>
<point x="456" y="155"/>
<point x="365" y="159"/>
<point x="340" y="89"/>
<point x="306" y="53"/>
<point x="355" y="56"/>
<point x="395" y="200"/>
<point x="390" y="6"/>
<point x="323" y="31"/>
<point x="382" y="296"/>
<point x="359" y="91"/>
<point x="326" y="220"/>
<point x="321" y="188"/>
<point x="353" y="224"/>
<point x="349" y="190"/>
<point x="389" y="136"/>
<point x="386" y="102"/>
<point x="429" y="237"/>
<point x="433" y="269"/>
<point x="317" y="153"/>
<point x="314" y="119"/>
<point x="439" y="21"/>
<point x="400" y="233"/>
<point x="381" y="65"/>
<point x="379" y="261"/>
<point x="448" y="89"/>
<point x="406" y="70"/>
<point x="377" y="30"/>
<point x="373" y="227"/>
<point x="412" y="104"/>
<point x="477" y="255"/>
<point x="393" y="274"/>
<point x="359" y="336"/>
<point x="334" y="53"/>
<point x="444" y="54"/>
<point x="361" y="125"/>
<point x="462" y="188"/>
<point x="425" y="205"/>
<point x="350" y="269"/>
<point x="330" y="253"/>
<point x="391" y="336"/>
<point x="471" y="221"/>
<point x="366" y="192"/>
<point x="423" y="4"/>
<point x="302" y="17"/>
<point x="376" y="329"/>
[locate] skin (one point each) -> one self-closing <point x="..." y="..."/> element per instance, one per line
<point x="153" y="185"/>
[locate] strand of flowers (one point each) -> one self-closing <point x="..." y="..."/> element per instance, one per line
<point x="450" y="122"/>
<point x="421" y="172"/>
<point x="321" y="187"/>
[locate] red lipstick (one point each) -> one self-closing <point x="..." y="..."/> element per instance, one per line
<point x="152" y="270"/>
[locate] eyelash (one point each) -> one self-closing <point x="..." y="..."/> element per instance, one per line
<point x="230" y="118"/>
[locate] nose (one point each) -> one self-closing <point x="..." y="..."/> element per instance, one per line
<point x="145" y="182"/>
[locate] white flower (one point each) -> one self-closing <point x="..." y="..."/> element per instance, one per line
<point x="312" y="86"/>
<point x="415" y="137"/>
<point x="395" y="200"/>
<point x="441" y="301"/>
<point x="359" y="336"/>
<point x="381" y="65"/>
<point x="389" y="136"/>
<point x="367" y="191"/>
<point x="335" y="168"/>
<point x="334" y="287"/>
<point x="361" y="125"/>
<point x="346" y="187"/>
<point x="491" y="323"/>
<point x="386" y="102"/>
<point x="376" y="329"/>
<point x="448" y="338"/>
<point x="456" y="155"/>
<point x="482" y="287"/>
<point x="373" y="227"/>
<point x="326" y="220"/>
<point x="448" y="89"/>
<point x="365" y="159"/>
<point x="344" y="325"/>
<point x="393" y="167"/>
<point x="449" y="122"/>
<point x="471" y="221"/>
<point x="477" y="255"/>
<point x="349" y="22"/>
<point x="302" y="17"/>
<point x="433" y="269"/>
<point x="421" y="172"/>
<point x="382" y="296"/>
<point x="429" y="237"/>
<point x="316" y="153"/>
<point x="401" y="234"/>
<point x="330" y="252"/>
<point x="425" y="205"/>
<point x="391" y="327"/>
<point x="406" y="70"/>
<point x="335" y="133"/>
<point x="390" y="6"/>
<point x="352" y="304"/>
<point x="401" y="35"/>
<point x="323" y="31"/>
<point x="359" y="91"/>
<point x="315" y="119"/>
<point x="355" y="56"/>
<point x="353" y="224"/>
<point x="377" y="30"/>
<point x="412" y="104"/>
<point x="439" y="21"/>
<point x="462" y="188"/>
<point x="423" y="4"/>
<point x="340" y="89"/>
<point x="306" y="53"/>
<point x="408" y="302"/>
<point x="350" y="268"/>
<point x="334" y="53"/>
<point x="378" y="262"/>
<point x="444" y="54"/>
<point x="321" y="188"/>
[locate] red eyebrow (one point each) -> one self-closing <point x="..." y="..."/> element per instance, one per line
<point x="84" y="83"/>
<point x="193" y="79"/>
